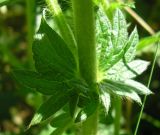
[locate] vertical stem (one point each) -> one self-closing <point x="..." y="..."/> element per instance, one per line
<point x="85" y="36"/>
<point x="118" y="113"/>
<point x="30" y="16"/>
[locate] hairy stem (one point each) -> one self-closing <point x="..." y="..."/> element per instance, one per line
<point x="85" y="36"/>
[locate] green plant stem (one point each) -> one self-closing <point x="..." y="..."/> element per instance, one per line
<point x="62" y="24"/>
<point x="30" y="16"/>
<point x="118" y="113"/>
<point x="148" y="85"/>
<point x="85" y="36"/>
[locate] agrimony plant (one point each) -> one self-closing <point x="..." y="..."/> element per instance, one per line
<point x="59" y="71"/>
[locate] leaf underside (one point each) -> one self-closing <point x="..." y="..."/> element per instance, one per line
<point x="115" y="55"/>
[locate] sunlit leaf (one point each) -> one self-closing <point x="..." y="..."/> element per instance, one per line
<point x="111" y="39"/>
<point x="131" y="46"/>
<point x="120" y="89"/>
<point x="138" y="87"/>
<point x="120" y="33"/>
<point x="121" y="71"/>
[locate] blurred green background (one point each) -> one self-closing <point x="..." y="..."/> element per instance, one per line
<point x="18" y="21"/>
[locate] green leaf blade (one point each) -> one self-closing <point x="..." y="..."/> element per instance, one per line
<point x="61" y="120"/>
<point x="106" y="101"/>
<point x="131" y="45"/>
<point x="120" y="33"/>
<point x="51" y="53"/>
<point x="120" y="90"/>
<point x="139" y="88"/>
<point x="35" y="80"/>
<point x="50" y="107"/>
<point x="124" y="71"/>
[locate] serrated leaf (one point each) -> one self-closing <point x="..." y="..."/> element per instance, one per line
<point x="121" y="71"/>
<point x="128" y="88"/>
<point x="111" y="39"/>
<point x="35" y="80"/>
<point x="119" y="89"/>
<point x="103" y="36"/>
<point x="131" y="45"/>
<point x="139" y="87"/>
<point x="51" y="53"/>
<point x="106" y="101"/>
<point x="119" y="30"/>
<point x="50" y="107"/>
